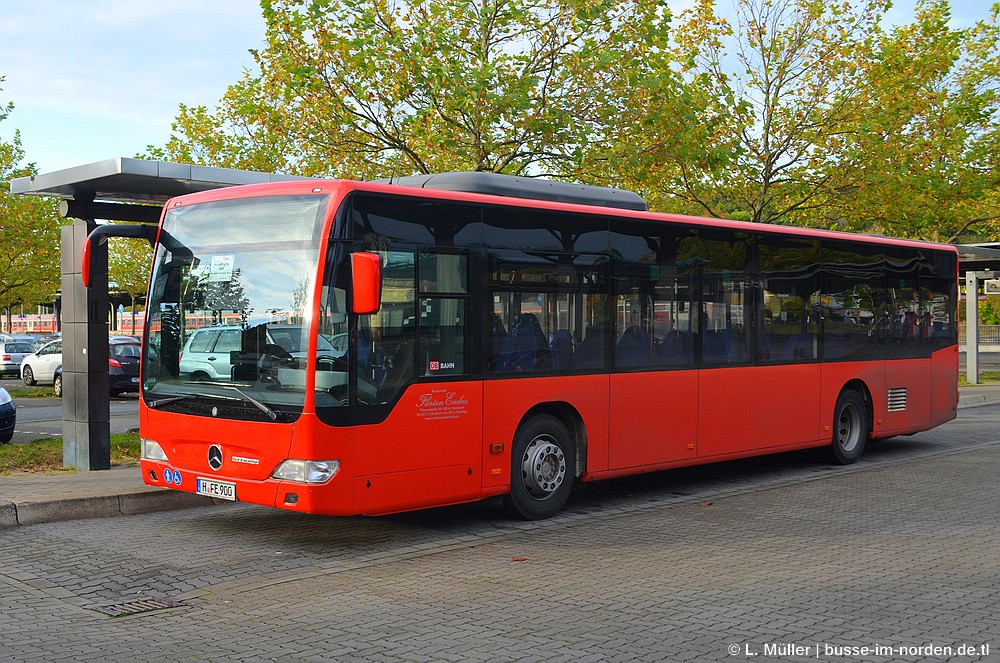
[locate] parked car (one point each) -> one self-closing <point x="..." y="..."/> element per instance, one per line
<point x="27" y="338"/>
<point x="39" y="342"/>
<point x="124" y="357"/>
<point x="8" y="416"/>
<point x="124" y="353"/>
<point x="11" y="354"/>
<point x="206" y="354"/>
<point x="40" y="366"/>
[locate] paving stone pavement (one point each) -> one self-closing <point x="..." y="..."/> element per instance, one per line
<point x="29" y="499"/>
<point x="898" y="552"/>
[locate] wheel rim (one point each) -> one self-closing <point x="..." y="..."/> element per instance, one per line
<point x="543" y="467"/>
<point x="28" y="375"/>
<point x="849" y="428"/>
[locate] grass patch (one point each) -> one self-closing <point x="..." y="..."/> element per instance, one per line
<point x="47" y="455"/>
<point x="32" y="392"/>
<point x="985" y="377"/>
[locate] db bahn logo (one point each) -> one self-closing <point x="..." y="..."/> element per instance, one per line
<point x="215" y="456"/>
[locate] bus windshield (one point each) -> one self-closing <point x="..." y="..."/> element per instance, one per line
<point x="228" y="311"/>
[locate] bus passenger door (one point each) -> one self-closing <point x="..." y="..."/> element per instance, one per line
<point x="420" y="445"/>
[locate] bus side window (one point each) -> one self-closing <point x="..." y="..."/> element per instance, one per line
<point x="851" y="299"/>
<point x="790" y="279"/>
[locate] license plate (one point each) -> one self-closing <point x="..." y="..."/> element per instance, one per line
<point x="219" y="489"/>
<point x="135" y="380"/>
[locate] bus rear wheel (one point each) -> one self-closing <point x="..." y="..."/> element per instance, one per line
<point x="542" y="469"/>
<point x="850" y="428"/>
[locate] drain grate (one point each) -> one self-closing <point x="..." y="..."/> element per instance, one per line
<point x="138" y="607"/>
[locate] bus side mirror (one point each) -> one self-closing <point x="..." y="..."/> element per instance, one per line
<point x="366" y="282"/>
<point x="100" y="236"/>
<point x="87" y="258"/>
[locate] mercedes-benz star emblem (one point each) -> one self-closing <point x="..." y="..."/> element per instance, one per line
<point x="215" y="456"/>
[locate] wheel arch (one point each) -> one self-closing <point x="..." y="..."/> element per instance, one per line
<point x="571" y="419"/>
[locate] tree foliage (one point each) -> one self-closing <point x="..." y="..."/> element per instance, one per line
<point x="926" y="146"/>
<point x="786" y="111"/>
<point x="374" y="89"/>
<point x="129" y="263"/>
<point x="29" y="233"/>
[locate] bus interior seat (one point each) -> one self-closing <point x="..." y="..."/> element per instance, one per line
<point x="633" y="348"/>
<point x="498" y="336"/>
<point x="591" y="352"/>
<point x="798" y="347"/>
<point x="561" y="348"/>
<point x="524" y="348"/>
<point x="717" y="346"/>
<point x="674" y="348"/>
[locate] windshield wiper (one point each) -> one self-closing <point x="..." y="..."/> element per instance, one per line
<point x="167" y="399"/>
<point x="180" y="397"/>
<point x="271" y="414"/>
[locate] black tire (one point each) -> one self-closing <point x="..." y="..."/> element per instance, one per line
<point x="543" y="464"/>
<point x="28" y="376"/>
<point x="57" y="385"/>
<point x="850" y="428"/>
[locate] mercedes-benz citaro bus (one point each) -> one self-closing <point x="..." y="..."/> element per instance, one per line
<point x="388" y="346"/>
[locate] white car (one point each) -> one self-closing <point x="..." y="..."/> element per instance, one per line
<point x="40" y="366"/>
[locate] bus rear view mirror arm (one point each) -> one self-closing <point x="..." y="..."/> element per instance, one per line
<point x="100" y="234"/>
<point x="366" y="283"/>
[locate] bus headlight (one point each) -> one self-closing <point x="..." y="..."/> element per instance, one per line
<point x="152" y="450"/>
<point x="307" y="471"/>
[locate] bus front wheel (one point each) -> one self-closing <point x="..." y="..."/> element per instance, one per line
<point x="542" y="469"/>
<point x="850" y="428"/>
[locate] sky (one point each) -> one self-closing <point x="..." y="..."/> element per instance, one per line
<point x="96" y="79"/>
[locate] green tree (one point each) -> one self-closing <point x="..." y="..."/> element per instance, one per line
<point x="386" y="87"/>
<point x="656" y="116"/>
<point x="786" y="85"/>
<point x="989" y="310"/>
<point x="129" y="262"/>
<point x="29" y="233"/>
<point x="927" y="145"/>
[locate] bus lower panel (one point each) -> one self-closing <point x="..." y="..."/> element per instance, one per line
<point x="381" y="494"/>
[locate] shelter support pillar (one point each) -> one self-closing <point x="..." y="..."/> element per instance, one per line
<point x="972" y="327"/>
<point x="86" y="396"/>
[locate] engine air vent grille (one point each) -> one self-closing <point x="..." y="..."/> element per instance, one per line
<point x="897" y="399"/>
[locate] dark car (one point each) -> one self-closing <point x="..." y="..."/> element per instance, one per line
<point x="123" y="366"/>
<point x="8" y="416"/>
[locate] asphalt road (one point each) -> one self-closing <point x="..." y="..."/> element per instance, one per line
<point x="41" y="418"/>
<point x="988" y="361"/>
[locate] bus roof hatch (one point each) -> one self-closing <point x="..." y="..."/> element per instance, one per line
<point x="525" y="187"/>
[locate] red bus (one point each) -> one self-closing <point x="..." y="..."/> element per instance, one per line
<point x="448" y="338"/>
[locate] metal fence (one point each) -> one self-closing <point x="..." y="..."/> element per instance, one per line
<point x="988" y="334"/>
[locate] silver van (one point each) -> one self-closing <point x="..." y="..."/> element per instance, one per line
<point x="207" y="351"/>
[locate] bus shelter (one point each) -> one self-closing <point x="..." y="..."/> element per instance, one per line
<point x="119" y="189"/>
